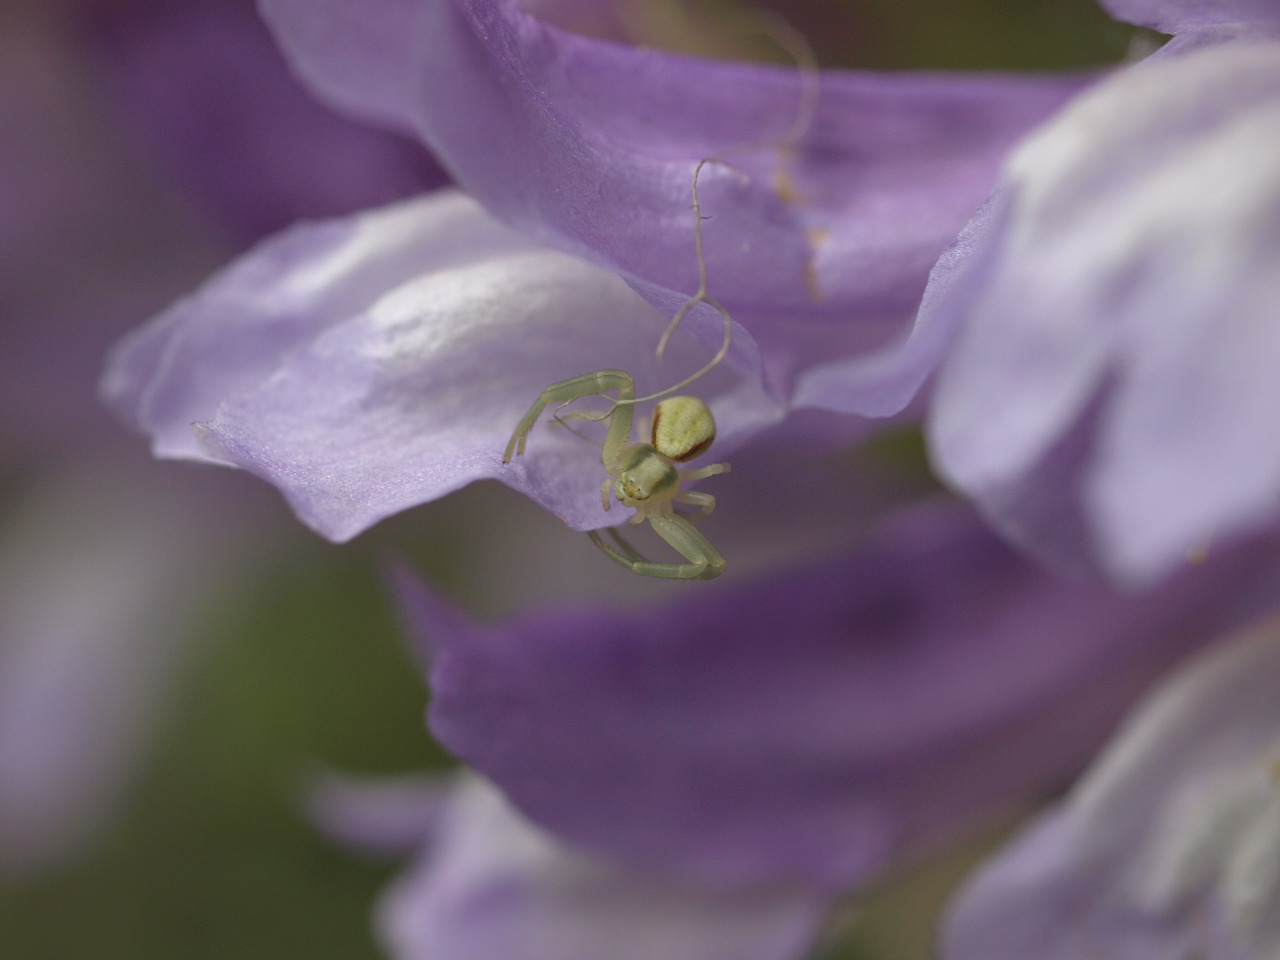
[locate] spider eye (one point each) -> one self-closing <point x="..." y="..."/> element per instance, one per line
<point x="683" y="428"/>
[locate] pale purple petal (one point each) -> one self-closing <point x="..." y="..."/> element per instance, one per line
<point x="382" y="816"/>
<point x="821" y="723"/>
<point x="1121" y="313"/>
<point x="493" y="885"/>
<point x="1179" y="16"/>
<point x="367" y="365"/>
<point x="1195" y="24"/>
<point x="233" y="333"/>
<point x="592" y="144"/>
<point x="1170" y="847"/>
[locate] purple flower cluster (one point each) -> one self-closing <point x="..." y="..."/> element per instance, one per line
<point x="109" y="568"/>
<point x="703" y="776"/>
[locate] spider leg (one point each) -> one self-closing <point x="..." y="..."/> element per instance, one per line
<point x="705" y="502"/>
<point x="566" y="391"/>
<point x="624" y="553"/>
<point x="705" y="561"/>
<point x="711" y="470"/>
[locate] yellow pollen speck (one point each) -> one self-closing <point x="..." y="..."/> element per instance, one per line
<point x="811" y="281"/>
<point x="818" y="237"/>
<point x="785" y="187"/>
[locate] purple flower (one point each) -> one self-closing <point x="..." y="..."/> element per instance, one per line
<point x="108" y="567"/>
<point x="487" y="883"/>
<point x="1194" y="23"/>
<point x="368" y="365"/>
<point x="819" y="724"/>
<point x="1109" y="400"/>
<point x="1169" y="847"/>
<point x="833" y="711"/>
<point x="99" y="586"/>
<point x="1107" y="403"/>
<point x="229" y="125"/>
<point x="590" y="145"/>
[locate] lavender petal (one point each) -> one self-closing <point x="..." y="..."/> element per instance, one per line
<point x="1119" y="288"/>
<point x="1168" y="847"/>
<point x="821" y="723"/>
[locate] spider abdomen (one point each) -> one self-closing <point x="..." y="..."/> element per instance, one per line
<point x="683" y="428"/>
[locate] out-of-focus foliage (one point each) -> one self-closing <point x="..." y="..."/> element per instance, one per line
<point x="213" y="859"/>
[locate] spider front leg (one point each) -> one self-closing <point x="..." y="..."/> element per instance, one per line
<point x="575" y="388"/>
<point x="705" y="561"/>
<point x="705" y="502"/>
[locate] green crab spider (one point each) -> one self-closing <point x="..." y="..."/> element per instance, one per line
<point x="644" y="475"/>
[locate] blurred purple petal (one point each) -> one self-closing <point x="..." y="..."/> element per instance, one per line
<point x="380" y="816"/>
<point x="825" y="722"/>
<point x="107" y="573"/>
<point x="103" y="579"/>
<point x="367" y="365"/>
<point x="1179" y="16"/>
<point x="493" y="885"/>
<point x="1196" y="24"/>
<point x="1170" y="847"/>
<point x="1121" y="320"/>
<point x="213" y="99"/>
<point x="87" y="245"/>
<point x="593" y="144"/>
